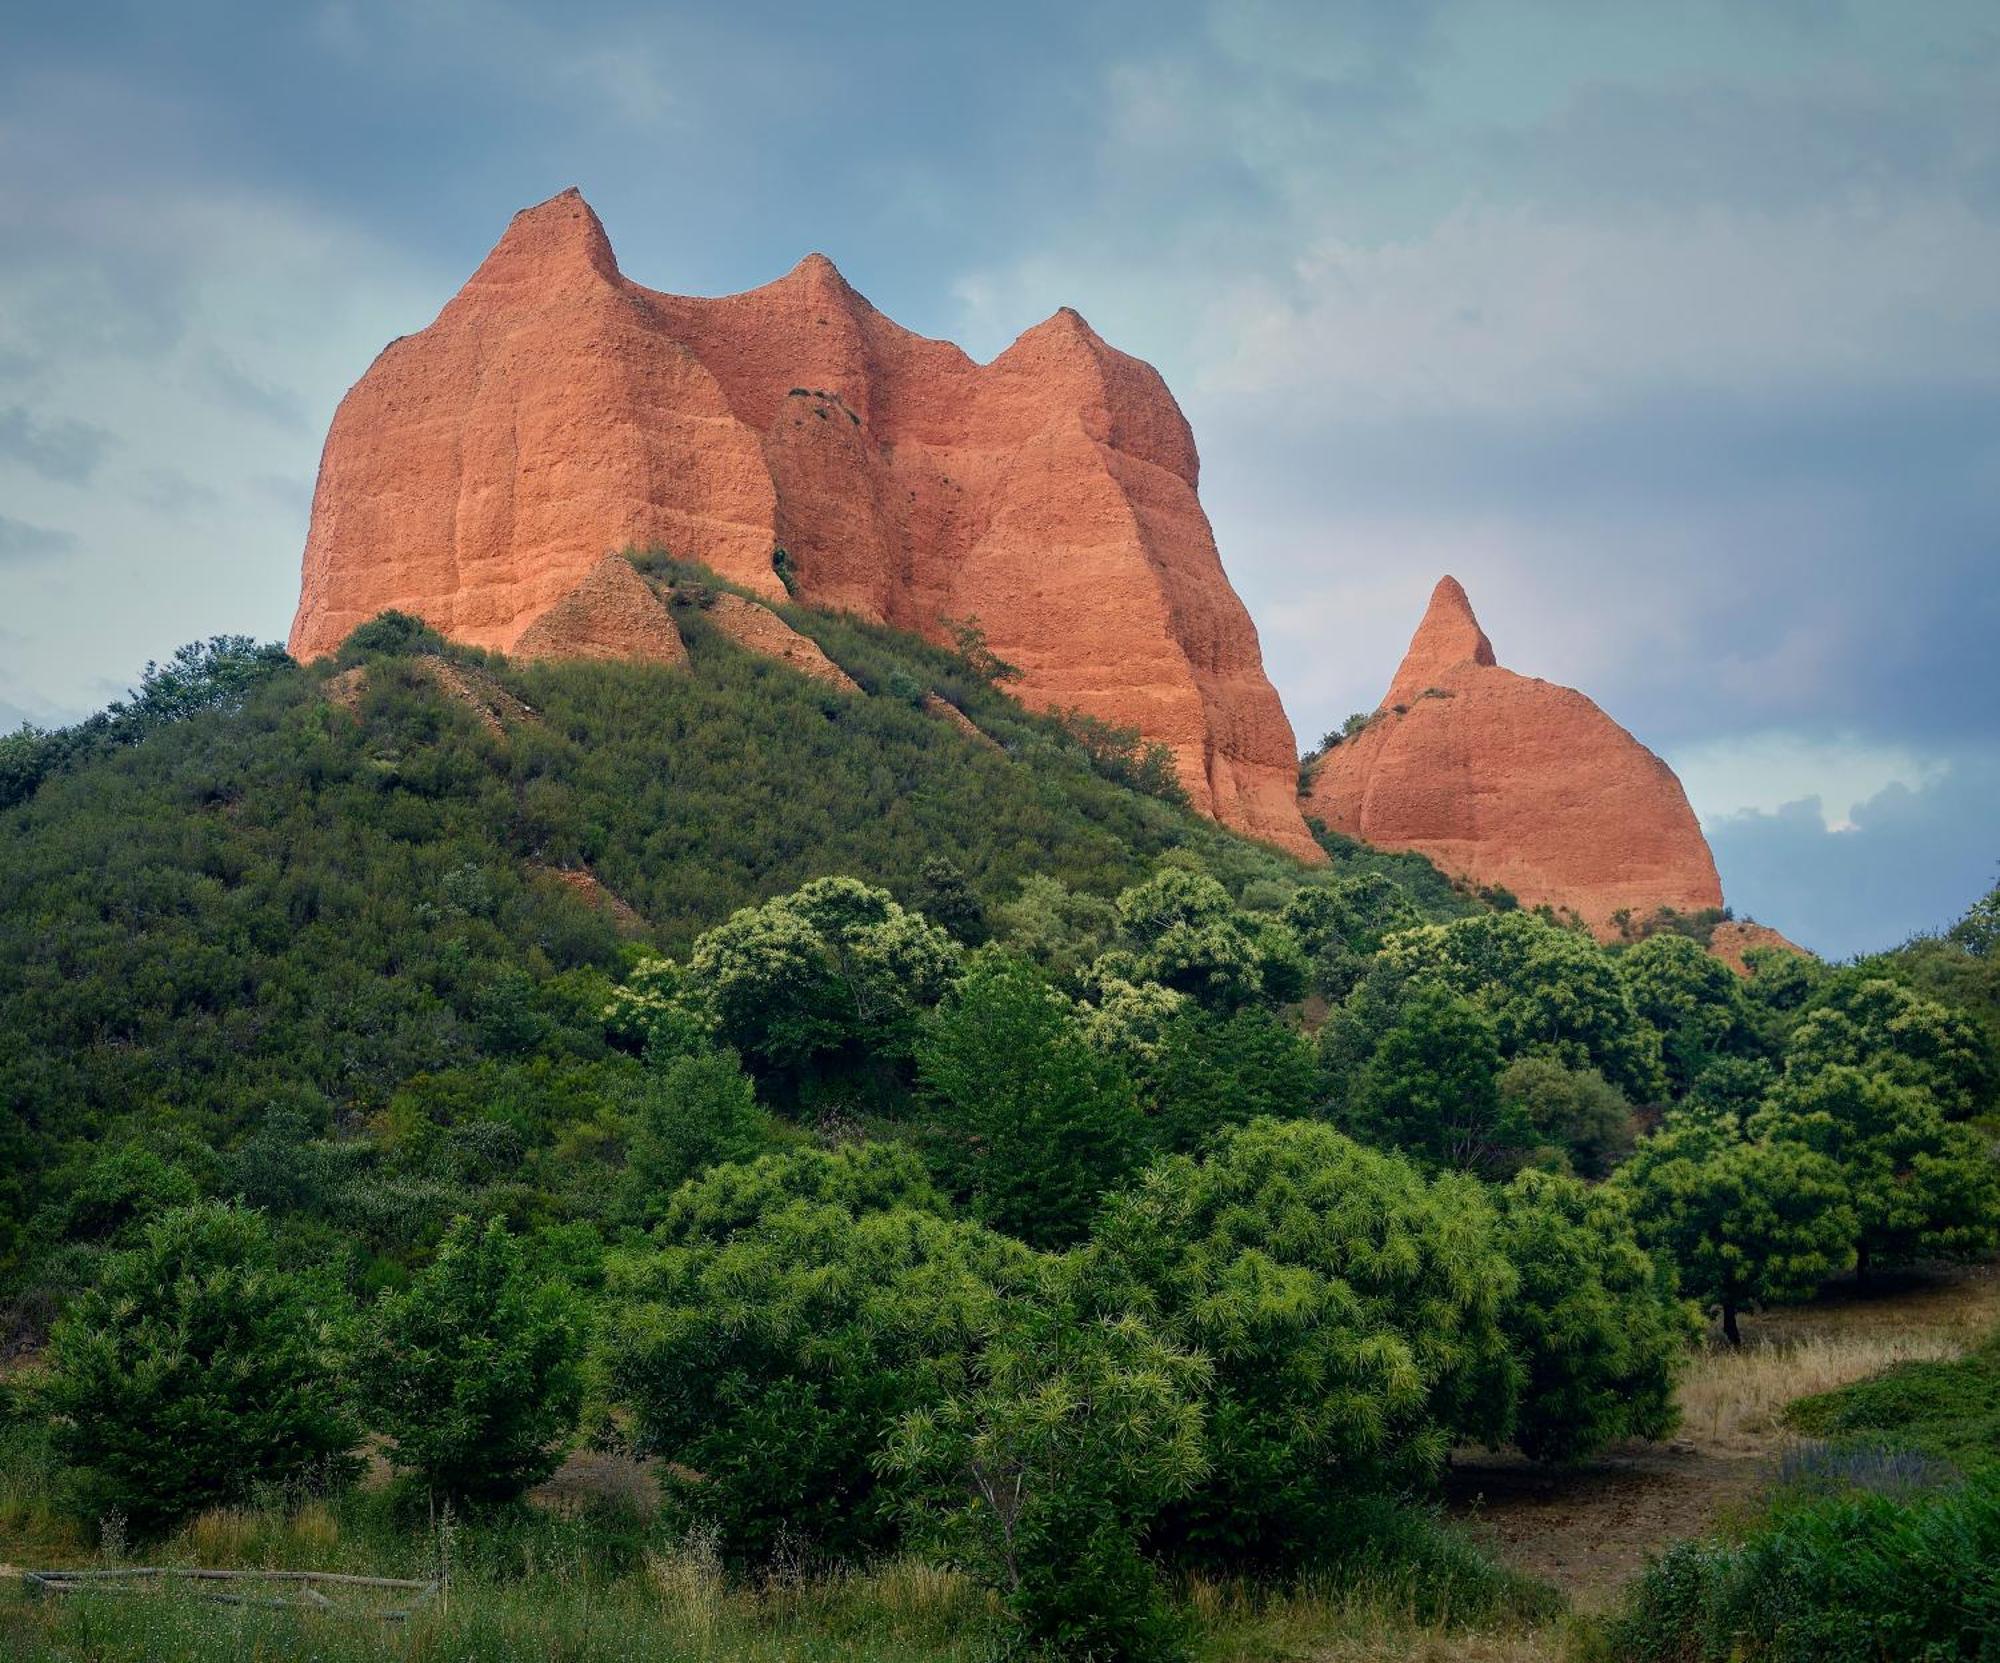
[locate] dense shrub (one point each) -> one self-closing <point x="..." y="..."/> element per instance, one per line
<point x="1851" y="1578"/>
<point x="1594" y="1323"/>
<point x="766" y="1369"/>
<point x="1043" y="1470"/>
<point x="474" y="1371"/>
<point x="1548" y="991"/>
<point x="1026" y="1119"/>
<point x="1352" y="1311"/>
<point x="1947" y="1410"/>
<point x="1571" y="1116"/>
<point x="1207" y="1073"/>
<point x="198" y="1368"/>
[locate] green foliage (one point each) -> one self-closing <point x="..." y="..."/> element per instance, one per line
<point x="388" y="634"/>
<point x="1352" y="1312"/>
<point x="1919" y="1186"/>
<point x="1208" y="1073"/>
<point x="1028" y="1120"/>
<point x="1691" y="997"/>
<point x="1874" y="1024"/>
<point x="1041" y="1472"/>
<point x="855" y="1178"/>
<point x="474" y="1371"/>
<point x="1548" y="991"/>
<point x="1949" y="1411"/>
<point x="1430" y="1087"/>
<point x="1185" y="933"/>
<point x="696" y="1112"/>
<point x="766" y="1368"/>
<point x="835" y="971"/>
<point x="1564" y="1115"/>
<point x="1124" y="756"/>
<point x="1061" y="929"/>
<point x="944" y="897"/>
<point x="198" y="1368"/>
<point x="1746" y="1223"/>
<point x="1595" y="1323"/>
<point x="1848" y="1578"/>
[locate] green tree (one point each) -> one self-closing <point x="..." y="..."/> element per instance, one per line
<point x="1728" y="1091"/>
<point x="1185" y="933"/>
<point x="198" y="1368"/>
<point x="1691" y="997"/>
<point x="1881" y="1027"/>
<point x="474" y="1372"/>
<point x="1548" y="991"/>
<point x="695" y="1113"/>
<point x="835" y="967"/>
<point x="1041" y="1472"/>
<point x="766" y="1369"/>
<point x="1431" y="1087"/>
<point x="1211" y="1072"/>
<point x="947" y="900"/>
<point x="1595" y="1323"/>
<point x="1352" y="1311"/>
<point x="853" y="1178"/>
<point x="1744" y="1223"/>
<point x="1029" y="1120"/>
<point x="1920" y="1186"/>
<point x="1573" y="1112"/>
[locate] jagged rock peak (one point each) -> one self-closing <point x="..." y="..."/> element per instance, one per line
<point x="542" y="246"/>
<point x="1514" y="783"/>
<point x="1448" y="636"/>
<point x="557" y="411"/>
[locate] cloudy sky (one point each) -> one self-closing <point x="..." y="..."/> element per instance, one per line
<point x="1672" y="328"/>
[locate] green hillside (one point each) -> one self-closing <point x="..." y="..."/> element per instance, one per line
<point x="235" y="894"/>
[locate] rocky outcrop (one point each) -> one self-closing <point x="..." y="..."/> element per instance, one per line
<point x="612" y="613"/>
<point x="1513" y="782"/>
<point x="759" y="630"/>
<point x="556" y="411"/>
<point x="935" y="704"/>
<point x="1734" y="940"/>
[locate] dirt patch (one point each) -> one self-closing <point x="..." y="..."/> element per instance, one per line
<point x="581" y="881"/>
<point x="590" y="1475"/>
<point x="1589" y="1530"/>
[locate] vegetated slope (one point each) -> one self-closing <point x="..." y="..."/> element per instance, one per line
<point x="341" y="879"/>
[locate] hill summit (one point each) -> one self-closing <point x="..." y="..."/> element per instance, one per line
<point x="1514" y="783"/>
<point x="794" y="439"/>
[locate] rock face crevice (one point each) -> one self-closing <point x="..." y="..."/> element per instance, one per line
<point x="556" y="411"/>
<point x="1514" y="782"/>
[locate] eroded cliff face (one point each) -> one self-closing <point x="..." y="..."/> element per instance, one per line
<point x="556" y="411"/>
<point x="1515" y="782"/>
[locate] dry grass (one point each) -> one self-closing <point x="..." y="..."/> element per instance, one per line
<point x="1240" y="1621"/>
<point x="1731" y="1398"/>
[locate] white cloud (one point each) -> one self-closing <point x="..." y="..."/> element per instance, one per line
<point x="1766" y="772"/>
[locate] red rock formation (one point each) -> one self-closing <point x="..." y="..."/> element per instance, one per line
<point x="555" y="411"/>
<point x="612" y="613"/>
<point x="758" y="629"/>
<point x="1735" y="940"/>
<point x="1514" y="782"/>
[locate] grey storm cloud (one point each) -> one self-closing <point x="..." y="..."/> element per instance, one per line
<point x="20" y="541"/>
<point x="65" y="449"/>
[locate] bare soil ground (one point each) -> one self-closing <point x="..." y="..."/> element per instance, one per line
<point x="1590" y="1529"/>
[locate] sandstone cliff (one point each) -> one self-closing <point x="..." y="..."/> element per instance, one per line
<point x="556" y="411"/>
<point x="1515" y="782"/>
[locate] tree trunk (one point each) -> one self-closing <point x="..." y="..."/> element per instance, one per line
<point x="1730" y="1332"/>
